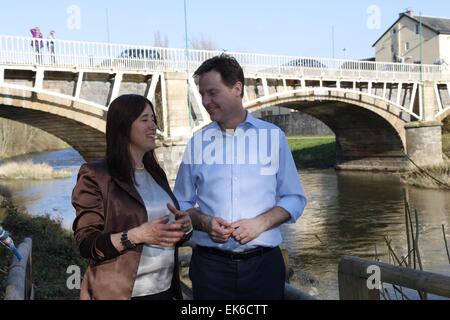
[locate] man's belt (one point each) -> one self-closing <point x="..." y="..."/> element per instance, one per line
<point x="233" y="255"/>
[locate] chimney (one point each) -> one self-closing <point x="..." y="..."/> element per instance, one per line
<point x="409" y="12"/>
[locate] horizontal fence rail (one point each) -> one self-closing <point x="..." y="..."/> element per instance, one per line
<point x="27" y="51"/>
<point x="353" y="275"/>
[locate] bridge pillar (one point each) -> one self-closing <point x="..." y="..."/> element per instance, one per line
<point x="178" y="128"/>
<point x="424" y="142"/>
<point x="177" y="105"/>
<point x="430" y="107"/>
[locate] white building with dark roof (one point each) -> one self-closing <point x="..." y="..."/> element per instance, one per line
<point x="401" y="41"/>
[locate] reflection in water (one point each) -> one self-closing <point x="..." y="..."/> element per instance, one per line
<point x="348" y="213"/>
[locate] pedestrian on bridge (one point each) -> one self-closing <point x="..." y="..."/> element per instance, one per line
<point x="37" y="43"/>
<point x="236" y="197"/>
<point x="51" y="45"/>
<point x="128" y="223"/>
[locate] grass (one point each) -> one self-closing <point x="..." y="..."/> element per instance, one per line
<point x="420" y="179"/>
<point x="446" y="143"/>
<point x="31" y="171"/>
<point x="313" y="152"/>
<point x="53" y="251"/>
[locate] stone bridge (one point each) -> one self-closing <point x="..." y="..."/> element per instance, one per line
<point x="378" y="111"/>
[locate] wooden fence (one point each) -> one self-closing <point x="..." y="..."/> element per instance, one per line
<point x="19" y="284"/>
<point x="354" y="272"/>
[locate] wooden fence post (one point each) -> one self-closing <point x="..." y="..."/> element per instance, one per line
<point x="19" y="282"/>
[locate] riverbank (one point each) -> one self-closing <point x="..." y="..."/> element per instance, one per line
<point x="31" y="171"/>
<point x="53" y="251"/>
<point x="430" y="177"/>
<point x="316" y="152"/>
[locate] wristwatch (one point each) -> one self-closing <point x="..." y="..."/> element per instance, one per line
<point x="127" y="244"/>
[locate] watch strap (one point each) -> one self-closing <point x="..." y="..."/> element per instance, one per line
<point x="127" y="244"/>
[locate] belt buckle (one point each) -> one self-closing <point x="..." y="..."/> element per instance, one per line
<point x="236" y="256"/>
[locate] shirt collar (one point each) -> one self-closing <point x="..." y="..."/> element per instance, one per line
<point x="249" y="119"/>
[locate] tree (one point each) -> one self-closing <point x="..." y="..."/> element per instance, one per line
<point x="203" y="43"/>
<point x="160" y="41"/>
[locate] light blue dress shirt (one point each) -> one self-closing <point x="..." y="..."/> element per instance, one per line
<point x="239" y="175"/>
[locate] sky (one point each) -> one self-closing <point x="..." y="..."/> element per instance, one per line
<point x="319" y="28"/>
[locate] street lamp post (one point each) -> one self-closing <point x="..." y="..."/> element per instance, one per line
<point x="422" y="100"/>
<point x="187" y="62"/>
<point x="332" y="40"/>
<point x="108" y="33"/>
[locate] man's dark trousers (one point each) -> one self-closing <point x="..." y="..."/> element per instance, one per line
<point x="216" y="276"/>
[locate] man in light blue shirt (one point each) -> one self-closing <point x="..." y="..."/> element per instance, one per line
<point x="239" y="183"/>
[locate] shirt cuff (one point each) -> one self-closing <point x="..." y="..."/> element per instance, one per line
<point x="293" y="205"/>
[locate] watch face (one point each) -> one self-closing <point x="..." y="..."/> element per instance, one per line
<point x="126" y="242"/>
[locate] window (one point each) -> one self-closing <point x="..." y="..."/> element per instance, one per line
<point x="417" y="29"/>
<point x="392" y="48"/>
<point x="394" y="31"/>
<point x="407" y="46"/>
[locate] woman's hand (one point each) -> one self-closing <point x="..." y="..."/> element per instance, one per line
<point x="181" y="217"/>
<point x="157" y="232"/>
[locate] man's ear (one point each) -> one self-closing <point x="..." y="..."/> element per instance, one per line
<point x="238" y="86"/>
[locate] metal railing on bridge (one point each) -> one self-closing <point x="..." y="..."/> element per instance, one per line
<point x="24" y="51"/>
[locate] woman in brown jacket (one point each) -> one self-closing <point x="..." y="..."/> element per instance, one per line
<point x="128" y="223"/>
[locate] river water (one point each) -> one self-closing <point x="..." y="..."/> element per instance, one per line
<point x="349" y="213"/>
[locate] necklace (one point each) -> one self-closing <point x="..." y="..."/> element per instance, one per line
<point x="140" y="167"/>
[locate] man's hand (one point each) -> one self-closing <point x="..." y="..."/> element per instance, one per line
<point x="246" y="230"/>
<point x="219" y="230"/>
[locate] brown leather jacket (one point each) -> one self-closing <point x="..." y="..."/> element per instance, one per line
<point x="105" y="205"/>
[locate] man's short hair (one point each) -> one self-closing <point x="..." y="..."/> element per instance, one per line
<point x="228" y="67"/>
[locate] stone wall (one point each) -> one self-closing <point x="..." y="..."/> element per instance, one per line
<point x="424" y="142"/>
<point x="298" y="123"/>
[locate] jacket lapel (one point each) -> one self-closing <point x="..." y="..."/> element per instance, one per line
<point x="164" y="184"/>
<point x="131" y="190"/>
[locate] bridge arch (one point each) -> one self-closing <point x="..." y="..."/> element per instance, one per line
<point x="79" y="124"/>
<point x="367" y="127"/>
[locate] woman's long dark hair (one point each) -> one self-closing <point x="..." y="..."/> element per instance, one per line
<point x="122" y="112"/>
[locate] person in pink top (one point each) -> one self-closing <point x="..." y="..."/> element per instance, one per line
<point x="37" y="44"/>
